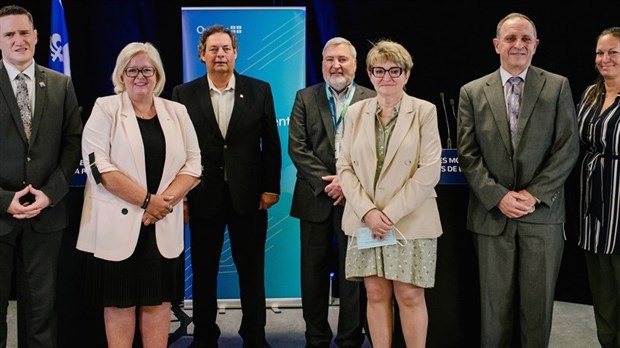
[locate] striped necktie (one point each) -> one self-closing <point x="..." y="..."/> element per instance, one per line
<point x="23" y="101"/>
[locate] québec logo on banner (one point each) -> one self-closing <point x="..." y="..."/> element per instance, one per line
<point x="59" y="40"/>
<point x="59" y="53"/>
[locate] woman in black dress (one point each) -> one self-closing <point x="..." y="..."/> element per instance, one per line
<point x="142" y="156"/>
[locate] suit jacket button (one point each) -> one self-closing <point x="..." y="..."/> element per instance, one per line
<point x="225" y="146"/>
<point x="28" y="159"/>
<point x="124" y="211"/>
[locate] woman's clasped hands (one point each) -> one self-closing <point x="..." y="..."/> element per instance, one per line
<point x="158" y="207"/>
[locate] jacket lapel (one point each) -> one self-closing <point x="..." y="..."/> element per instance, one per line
<point x="167" y="127"/>
<point x="134" y="137"/>
<point x="534" y="82"/>
<point x="239" y="106"/>
<point x="368" y="126"/>
<point x="40" y="87"/>
<point x="6" y="89"/>
<point x="322" y="104"/>
<point x="494" y="93"/>
<point x="203" y="94"/>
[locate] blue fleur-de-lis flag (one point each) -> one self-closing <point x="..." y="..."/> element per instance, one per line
<point x="59" y="40"/>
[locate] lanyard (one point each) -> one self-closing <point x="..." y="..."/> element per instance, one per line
<point x="332" y="105"/>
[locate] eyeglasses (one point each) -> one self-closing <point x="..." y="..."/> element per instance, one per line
<point x="146" y="71"/>
<point x="379" y="72"/>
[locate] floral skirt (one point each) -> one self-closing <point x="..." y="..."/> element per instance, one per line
<point x="413" y="263"/>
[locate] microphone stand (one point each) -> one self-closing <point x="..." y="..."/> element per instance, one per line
<point x="445" y="113"/>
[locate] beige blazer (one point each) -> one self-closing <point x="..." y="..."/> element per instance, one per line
<point x="110" y="226"/>
<point x="405" y="188"/>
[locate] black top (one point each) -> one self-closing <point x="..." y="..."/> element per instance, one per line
<point x="154" y="151"/>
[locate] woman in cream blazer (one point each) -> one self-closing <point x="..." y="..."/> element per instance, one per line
<point x="388" y="168"/>
<point x="141" y="155"/>
<point x="405" y="188"/>
<point x="122" y="150"/>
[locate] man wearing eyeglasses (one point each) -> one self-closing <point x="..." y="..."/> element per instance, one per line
<point x="517" y="144"/>
<point x="40" y="130"/>
<point x="234" y="118"/>
<point x="315" y="132"/>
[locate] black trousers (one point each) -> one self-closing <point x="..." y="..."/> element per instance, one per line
<point x="247" y="234"/>
<point x="33" y="257"/>
<point x="316" y="252"/>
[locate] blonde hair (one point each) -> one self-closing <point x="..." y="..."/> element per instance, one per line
<point x="387" y="50"/>
<point x="130" y="51"/>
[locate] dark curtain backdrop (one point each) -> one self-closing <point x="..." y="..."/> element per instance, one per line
<point x="450" y="41"/>
<point x="451" y="44"/>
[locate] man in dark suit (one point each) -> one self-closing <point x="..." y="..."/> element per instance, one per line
<point x="315" y="132"/>
<point x="234" y="118"/>
<point x="40" y="128"/>
<point x="517" y="142"/>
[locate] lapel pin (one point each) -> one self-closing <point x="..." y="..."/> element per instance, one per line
<point x="41" y="84"/>
<point x="240" y="95"/>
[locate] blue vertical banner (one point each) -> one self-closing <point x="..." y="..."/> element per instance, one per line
<point x="60" y="61"/>
<point x="59" y="40"/>
<point x="272" y="48"/>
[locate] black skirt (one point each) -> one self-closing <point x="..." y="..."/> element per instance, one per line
<point x="146" y="278"/>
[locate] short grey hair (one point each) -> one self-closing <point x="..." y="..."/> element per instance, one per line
<point x="340" y="41"/>
<point x="512" y="16"/>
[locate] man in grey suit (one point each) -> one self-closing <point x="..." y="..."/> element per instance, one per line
<point x="517" y="143"/>
<point x="315" y="130"/>
<point x="40" y="128"/>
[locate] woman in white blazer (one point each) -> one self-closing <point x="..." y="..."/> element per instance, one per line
<point x="141" y="155"/>
<point x="388" y="168"/>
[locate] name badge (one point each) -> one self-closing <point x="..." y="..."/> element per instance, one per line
<point x="338" y="142"/>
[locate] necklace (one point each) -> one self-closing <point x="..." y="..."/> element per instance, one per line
<point x="143" y="113"/>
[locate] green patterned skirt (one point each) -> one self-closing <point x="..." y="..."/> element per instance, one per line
<point x="413" y="263"/>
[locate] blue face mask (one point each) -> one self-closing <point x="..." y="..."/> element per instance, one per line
<point x="366" y="241"/>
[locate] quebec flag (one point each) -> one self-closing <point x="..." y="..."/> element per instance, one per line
<point x="59" y="40"/>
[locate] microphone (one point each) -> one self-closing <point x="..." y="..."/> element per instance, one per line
<point x="445" y="113"/>
<point x="452" y="105"/>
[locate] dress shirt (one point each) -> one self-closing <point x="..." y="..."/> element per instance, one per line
<point x="340" y="101"/>
<point x="505" y="76"/>
<point x="223" y="102"/>
<point x="383" y="135"/>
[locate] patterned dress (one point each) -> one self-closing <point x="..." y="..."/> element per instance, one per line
<point x="599" y="134"/>
<point x="411" y="261"/>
